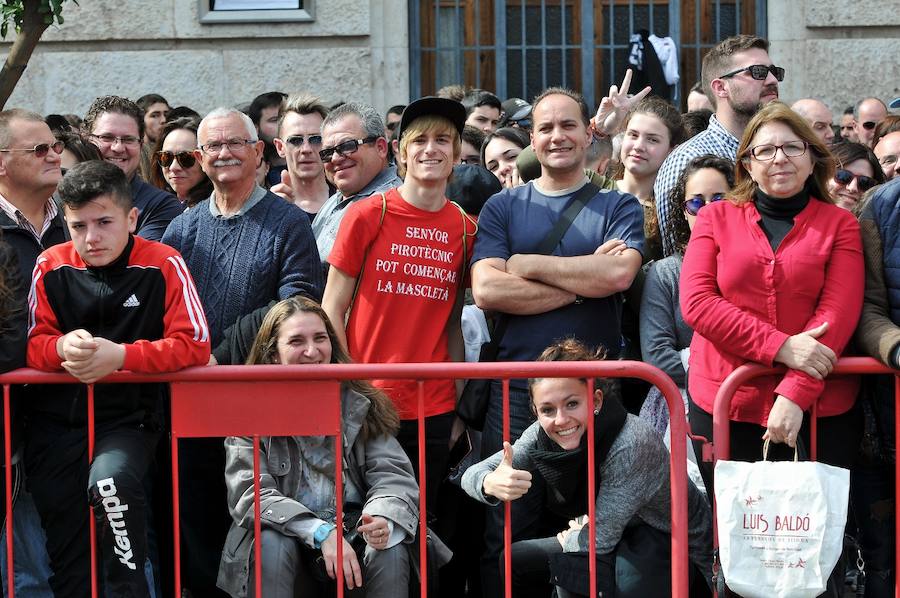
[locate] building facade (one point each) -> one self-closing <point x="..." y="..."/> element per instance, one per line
<point x="206" y="53"/>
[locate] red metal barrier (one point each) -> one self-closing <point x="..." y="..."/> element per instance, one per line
<point x="192" y="383"/>
<point x="722" y="432"/>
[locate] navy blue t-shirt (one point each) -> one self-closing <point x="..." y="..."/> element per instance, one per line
<point x="517" y="220"/>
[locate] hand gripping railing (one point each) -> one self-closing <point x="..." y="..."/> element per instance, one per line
<point x="214" y="382"/>
<point x="722" y="432"/>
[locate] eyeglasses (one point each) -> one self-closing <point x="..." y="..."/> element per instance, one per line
<point x="297" y="140"/>
<point x="692" y="206"/>
<point x="869" y="125"/>
<point x="184" y="159"/>
<point x="41" y="149"/>
<point x="845" y="177"/>
<point x="126" y="140"/>
<point x="767" y="151"/>
<point x="344" y="148"/>
<point x="758" y="72"/>
<point x="234" y="145"/>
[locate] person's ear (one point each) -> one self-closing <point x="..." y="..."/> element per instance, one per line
<point x="132" y="217"/>
<point x="279" y="146"/>
<point x="598" y="400"/>
<point x="381" y="147"/>
<point x="719" y="88"/>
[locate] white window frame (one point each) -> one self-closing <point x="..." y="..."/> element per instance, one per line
<point x="209" y="17"/>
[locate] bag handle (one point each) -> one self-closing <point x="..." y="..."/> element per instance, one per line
<point x="766" y="450"/>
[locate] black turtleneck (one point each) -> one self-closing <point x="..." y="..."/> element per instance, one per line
<point x="777" y="214"/>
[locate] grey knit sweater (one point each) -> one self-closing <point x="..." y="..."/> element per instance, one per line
<point x="633" y="489"/>
<point x="663" y="330"/>
<point x="241" y="263"/>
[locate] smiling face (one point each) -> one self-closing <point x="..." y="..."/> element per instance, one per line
<point x="181" y="179"/>
<point x="428" y="155"/>
<point x="562" y="409"/>
<point x="560" y="137"/>
<point x="125" y="151"/>
<point x="351" y="172"/>
<point x="229" y="167"/>
<point x="645" y="145"/>
<point x="303" y="339"/>
<point x="888" y="151"/>
<point x="847" y="196"/>
<point x="100" y="229"/>
<point x="500" y="157"/>
<point x="781" y="176"/>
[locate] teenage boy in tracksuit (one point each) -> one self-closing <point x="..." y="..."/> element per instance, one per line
<point x="104" y="301"/>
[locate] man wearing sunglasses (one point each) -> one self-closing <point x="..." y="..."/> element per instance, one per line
<point x="298" y="142"/>
<point x="30" y="222"/>
<point x="739" y="78"/>
<point x="354" y="152"/>
<point x="867" y="113"/>
<point x="116" y="126"/>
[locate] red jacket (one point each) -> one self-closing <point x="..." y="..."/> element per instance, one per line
<point x="145" y="299"/>
<point x="743" y="301"/>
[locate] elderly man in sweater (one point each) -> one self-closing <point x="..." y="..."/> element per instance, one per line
<point x="245" y="247"/>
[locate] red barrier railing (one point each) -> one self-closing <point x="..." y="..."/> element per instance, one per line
<point x="189" y="383"/>
<point x="721" y="440"/>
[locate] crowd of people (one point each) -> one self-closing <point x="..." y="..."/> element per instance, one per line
<point x="149" y="238"/>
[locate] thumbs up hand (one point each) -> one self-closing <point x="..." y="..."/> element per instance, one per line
<point x="506" y="482"/>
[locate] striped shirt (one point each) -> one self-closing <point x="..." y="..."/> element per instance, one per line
<point x="16" y="215"/>
<point x="716" y="140"/>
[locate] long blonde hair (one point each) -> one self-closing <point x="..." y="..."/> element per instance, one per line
<point x="382" y="417"/>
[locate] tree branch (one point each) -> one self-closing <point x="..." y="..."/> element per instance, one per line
<point x="33" y="27"/>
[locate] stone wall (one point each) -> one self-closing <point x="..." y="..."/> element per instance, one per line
<point x="352" y="50"/>
<point x="835" y="50"/>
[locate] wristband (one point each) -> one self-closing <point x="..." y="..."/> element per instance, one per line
<point x="321" y="534"/>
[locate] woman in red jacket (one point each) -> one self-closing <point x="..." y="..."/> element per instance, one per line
<point x="775" y="276"/>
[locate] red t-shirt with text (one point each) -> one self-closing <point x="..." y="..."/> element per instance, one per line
<point x="410" y="267"/>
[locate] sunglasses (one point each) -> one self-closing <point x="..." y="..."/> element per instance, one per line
<point x="759" y="72"/>
<point x="344" y="148"/>
<point x="297" y="140"/>
<point x="692" y="206"/>
<point x="41" y="149"/>
<point x="845" y="177"/>
<point x="184" y="159"/>
<point x="869" y="125"/>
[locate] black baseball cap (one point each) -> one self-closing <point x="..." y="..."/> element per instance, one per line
<point x="449" y="109"/>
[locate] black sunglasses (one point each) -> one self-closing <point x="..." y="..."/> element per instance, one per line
<point x="869" y="125"/>
<point x="692" y="206"/>
<point x="758" y="72"/>
<point x="184" y="159"/>
<point x="41" y="149"/>
<point x="297" y="140"/>
<point x="344" y="148"/>
<point x="845" y="177"/>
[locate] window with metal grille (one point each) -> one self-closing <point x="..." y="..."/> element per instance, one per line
<point x="516" y="48"/>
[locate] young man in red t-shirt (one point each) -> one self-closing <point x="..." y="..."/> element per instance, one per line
<point x="398" y="269"/>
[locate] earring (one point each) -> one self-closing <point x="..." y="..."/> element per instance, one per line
<point x="597" y="411"/>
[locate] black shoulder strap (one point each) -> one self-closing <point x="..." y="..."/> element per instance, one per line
<point x="548" y="245"/>
<point x="567" y="218"/>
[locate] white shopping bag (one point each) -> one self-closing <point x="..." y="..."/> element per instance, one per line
<point x="780" y="525"/>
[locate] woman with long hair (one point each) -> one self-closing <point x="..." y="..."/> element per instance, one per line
<point x="856" y="171"/>
<point x="299" y="531"/>
<point x="543" y="476"/>
<point x="173" y="165"/>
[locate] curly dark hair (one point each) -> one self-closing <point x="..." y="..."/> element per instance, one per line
<point x="116" y="105"/>
<point x="680" y="229"/>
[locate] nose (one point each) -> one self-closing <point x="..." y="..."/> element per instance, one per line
<point x="829" y="135"/>
<point x="771" y="80"/>
<point x="853" y="185"/>
<point x="90" y="235"/>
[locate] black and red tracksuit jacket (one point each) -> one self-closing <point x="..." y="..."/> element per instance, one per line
<point x="146" y="300"/>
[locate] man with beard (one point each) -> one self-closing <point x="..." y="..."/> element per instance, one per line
<point x="740" y="78"/>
